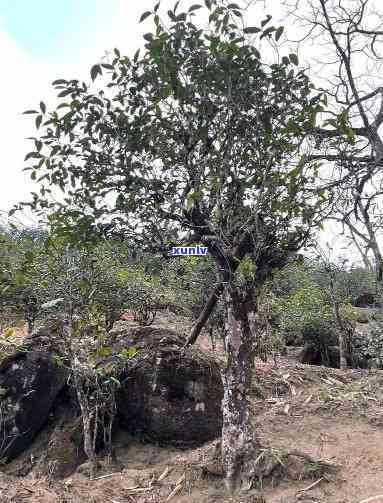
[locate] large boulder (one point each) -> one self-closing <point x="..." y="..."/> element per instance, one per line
<point x="366" y="299"/>
<point x="329" y="357"/>
<point x="368" y="345"/>
<point x="310" y="355"/>
<point x="30" y="380"/>
<point x="170" y="394"/>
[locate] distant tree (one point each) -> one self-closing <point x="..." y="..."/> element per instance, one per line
<point x="351" y="33"/>
<point x="196" y="141"/>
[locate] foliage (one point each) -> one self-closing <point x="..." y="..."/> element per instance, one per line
<point x="36" y="274"/>
<point x="304" y="306"/>
<point x="187" y="282"/>
<point x="197" y="134"/>
<point x="201" y="140"/>
<point x="370" y="345"/>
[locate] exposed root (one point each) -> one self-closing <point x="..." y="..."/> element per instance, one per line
<point x="273" y="464"/>
<point x="269" y="466"/>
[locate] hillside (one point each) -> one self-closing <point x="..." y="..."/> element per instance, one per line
<point x="313" y="413"/>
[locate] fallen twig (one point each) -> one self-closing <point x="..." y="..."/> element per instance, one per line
<point x="311" y="486"/>
<point x="108" y="475"/>
<point x="373" y="499"/>
<point x="325" y="462"/>
<point x="164" y="474"/>
<point x="177" y="489"/>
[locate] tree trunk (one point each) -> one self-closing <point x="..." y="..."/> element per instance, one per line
<point x="204" y="315"/>
<point x="341" y="337"/>
<point x="373" y="243"/>
<point x="239" y="443"/>
<point x="89" y="446"/>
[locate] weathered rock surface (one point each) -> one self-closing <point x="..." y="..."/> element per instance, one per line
<point x="310" y="355"/>
<point x="57" y="450"/>
<point x="366" y="299"/>
<point x="170" y="394"/>
<point x="30" y="380"/>
<point x="329" y="358"/>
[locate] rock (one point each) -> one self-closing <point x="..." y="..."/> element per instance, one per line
<point x="367" y="299"/>
<point x="368" y="346"/>
<point x="64" y="451"/>
<point x="310" y="355"/>
<point x="169" y="394"/>
<point x="334" y="357"/>
<point x="30" y="380"/>
<point x="293" y="339"/>
<point x="55" y="452"/>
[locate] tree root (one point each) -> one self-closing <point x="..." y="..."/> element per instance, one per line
<point x="267" y="464"/>
<point x="272" y="462"/>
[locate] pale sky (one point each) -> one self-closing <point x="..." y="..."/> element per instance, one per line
<point x="43" y="40"/>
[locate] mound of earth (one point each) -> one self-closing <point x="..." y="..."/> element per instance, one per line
<point x="327" y="414"/>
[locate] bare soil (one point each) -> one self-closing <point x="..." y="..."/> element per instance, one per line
<point x="329" y="414"/>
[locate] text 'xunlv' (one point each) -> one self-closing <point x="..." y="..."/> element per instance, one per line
<point x="189" y="250"/>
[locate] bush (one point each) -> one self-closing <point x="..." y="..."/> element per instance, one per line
<point x="320" y="335"/>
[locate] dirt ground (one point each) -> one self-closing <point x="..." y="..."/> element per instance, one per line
<point x="332" y="416"/>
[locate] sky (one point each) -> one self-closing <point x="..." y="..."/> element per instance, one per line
<point x="43" y="40"/>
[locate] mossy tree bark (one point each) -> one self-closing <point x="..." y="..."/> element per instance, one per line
<point x="239" y="440"/>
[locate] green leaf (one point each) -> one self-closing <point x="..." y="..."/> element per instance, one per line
<point x="181" y="17"/>
<point x="95" y="70"/>
<point x="268" y="32"/>
<point x="30" y="112"/>
<point x="114" y="381"/>
<point x="58" y="360"/>
<point x="9" y="332"/>
<point x="52" y="303"/>
<point x="167" y="91"/>
<point x="38" y="121"/>
<point x="285" y="60"/>
<point x="145" y="15"/>
<point x="195" y="7"/>
<point x="107" y="66"/>
<point x="171" y="15"/>
<point x="266" y="20"/>
<point x="64" y="93"/>
<point x="33" y="155"/>
<point x="132" y="351"/>
<point x="294" y="59"/>
<point x="278" y="33"/>
<point x="252" y="29"/>
<point x="58" y="82"/>
<point x="156" y="7"/>
<point x="20" y="278"/>
<point x="43" y="107"/>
